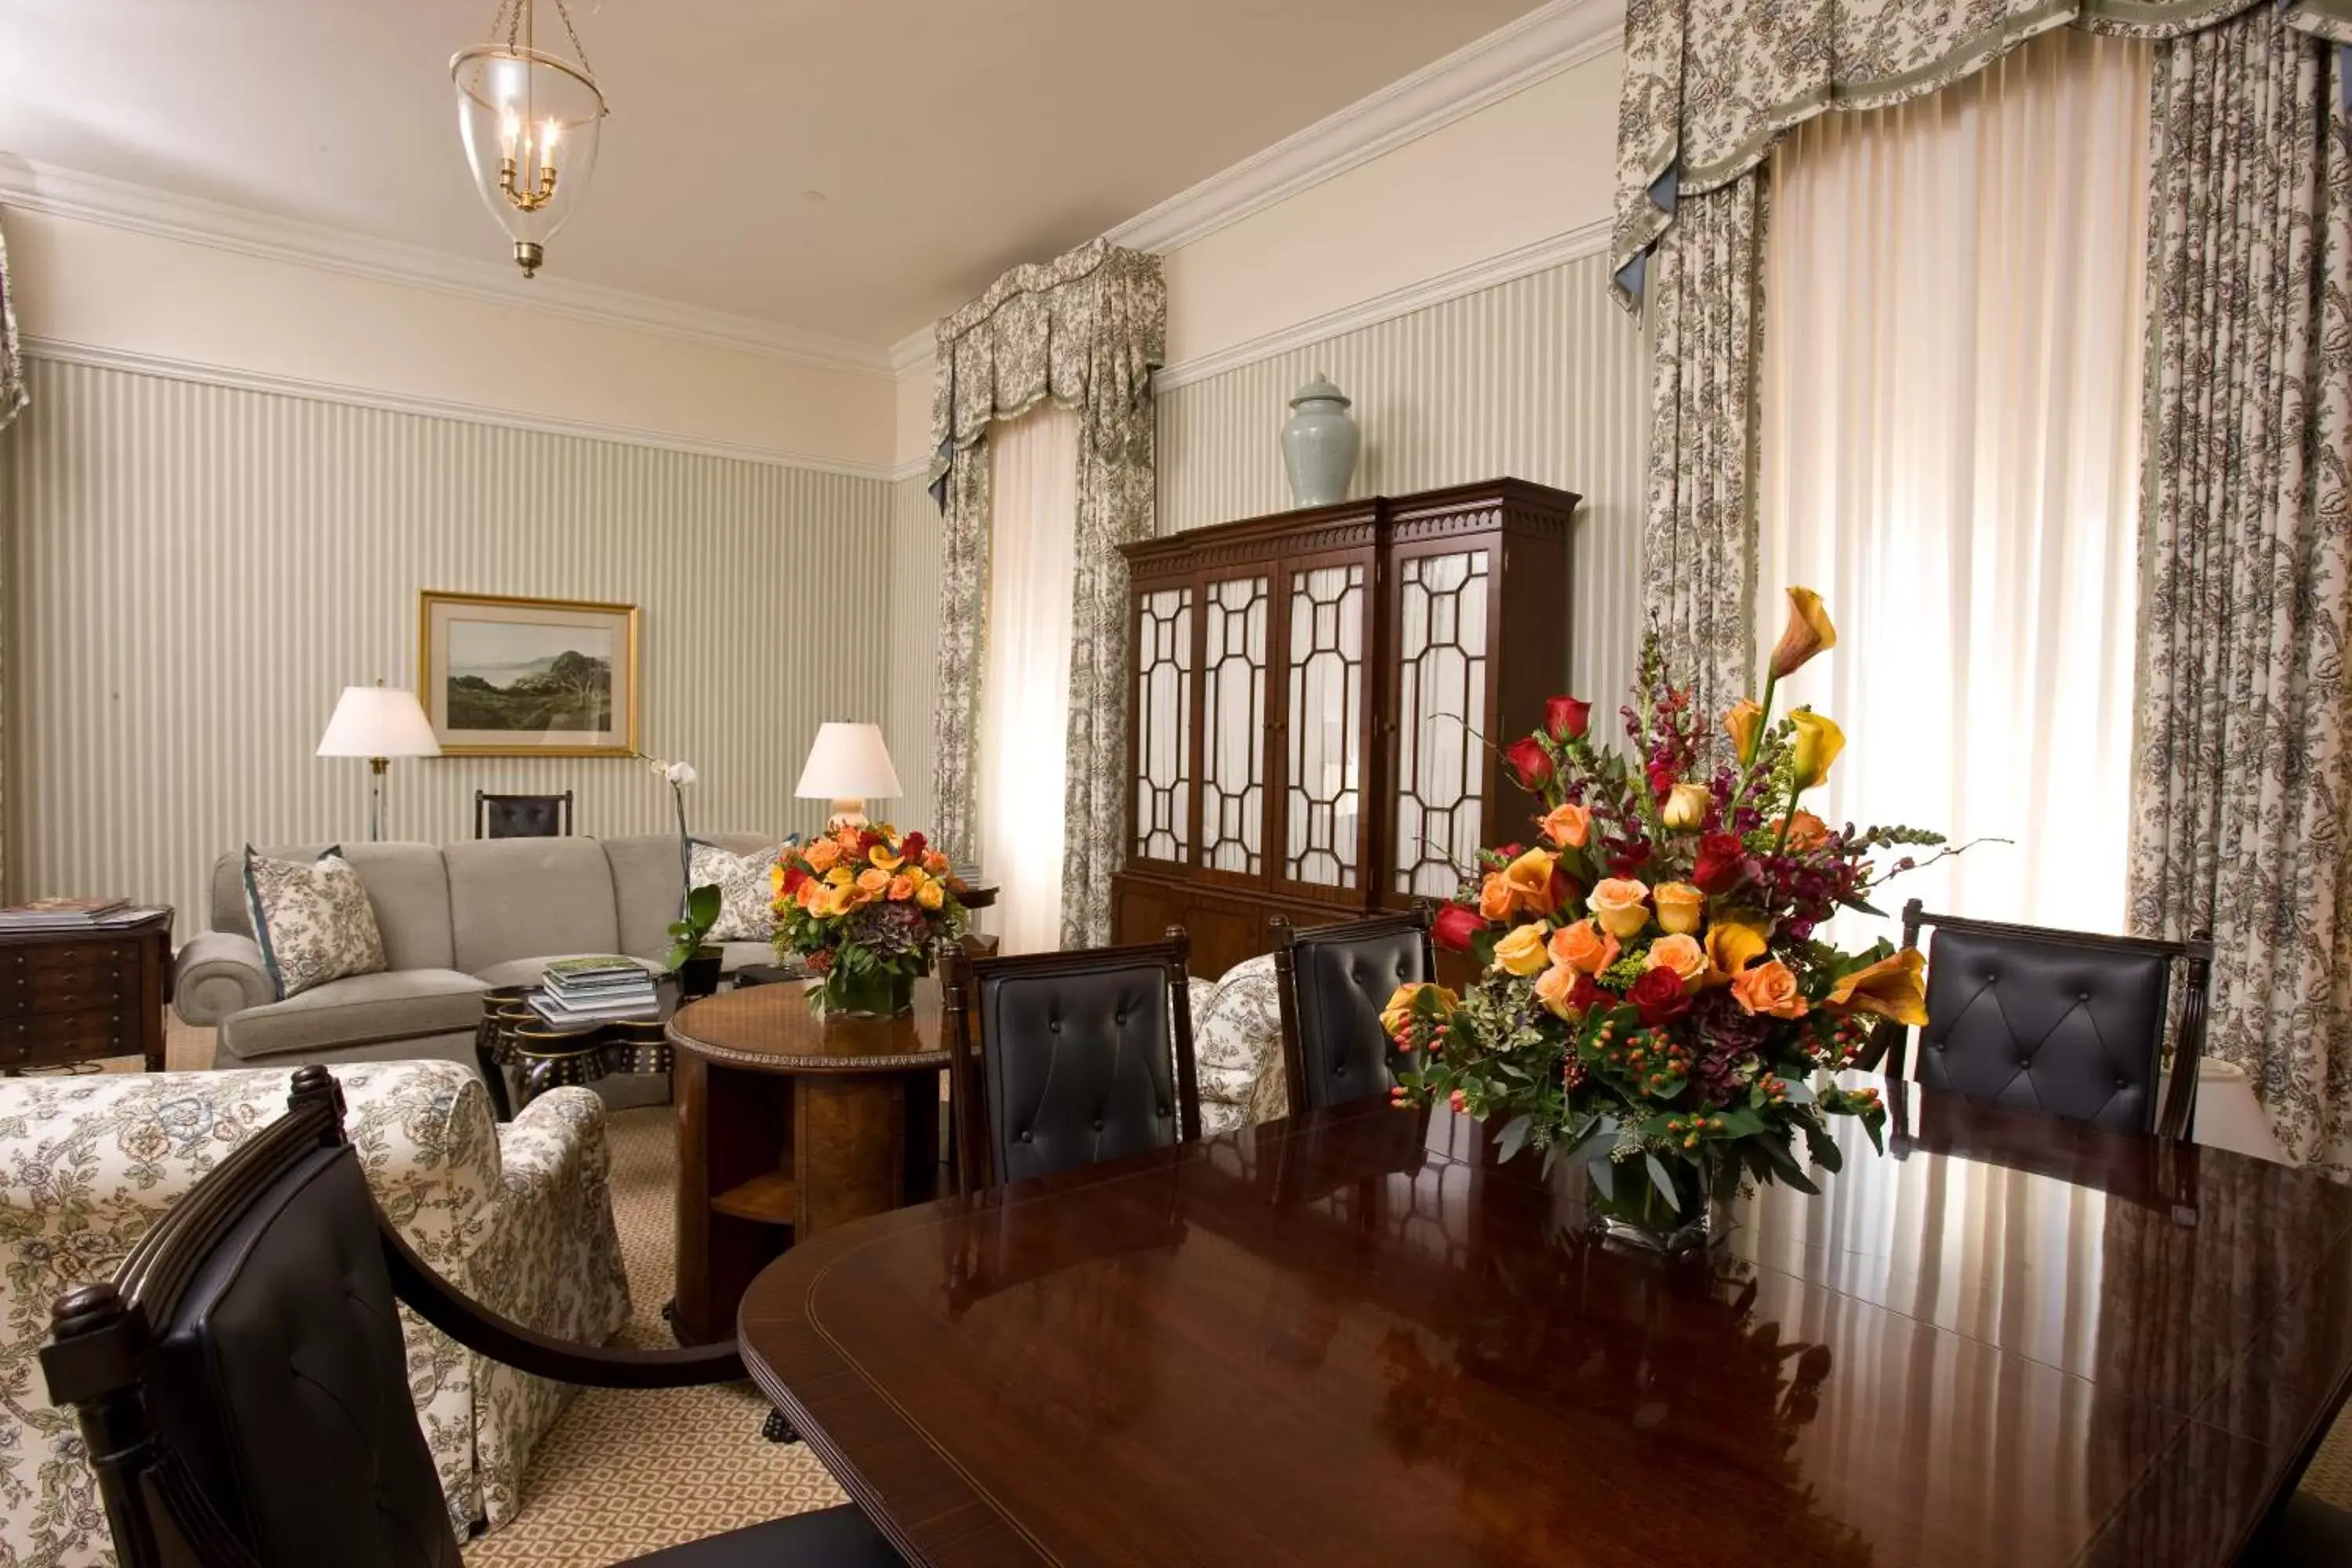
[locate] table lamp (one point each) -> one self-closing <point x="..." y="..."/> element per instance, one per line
<point x="848" y="765"/>
<point x="378" y="724"/>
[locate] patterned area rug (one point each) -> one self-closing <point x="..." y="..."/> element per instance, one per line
<point x="630" y="1471"/>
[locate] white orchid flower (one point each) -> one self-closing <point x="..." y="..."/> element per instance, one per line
<point x="679" y="773"/>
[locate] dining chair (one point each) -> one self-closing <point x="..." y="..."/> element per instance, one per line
<point x="2302" y="1533"/>
<point x="1331" y="984"/>
<point x="242" y="1388"/>
<point x="522" y="815"/>
<point x="2060" y="1023"/>
<point x="1060" y="1059"/>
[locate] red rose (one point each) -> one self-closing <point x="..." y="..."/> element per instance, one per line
<point x="1660" y="996"/>
<point x="1454" y="926"/>
<point x="869" y="840"/>
<point x="1566" y="718"/>
<point x="1587" y="994"/>
<point x="913" y="845"/>
<point x="1718" y="866"/>
<point x="794" y="877"/>
<point x="1530" y="760"/>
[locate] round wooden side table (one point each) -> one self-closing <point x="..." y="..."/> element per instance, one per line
<point x="789" y="1123"/>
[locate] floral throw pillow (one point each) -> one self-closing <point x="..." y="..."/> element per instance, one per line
<point x="312" y="920"/>
<point x="745" y="893"/>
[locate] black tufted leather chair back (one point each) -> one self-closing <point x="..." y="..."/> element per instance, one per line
<point x="280" y="1382"/>
<point x="1082" y="1057"/>
<point x="1333" y="982"/>
<point x="522" y="815"/>
<point x="2056" y="1023"/>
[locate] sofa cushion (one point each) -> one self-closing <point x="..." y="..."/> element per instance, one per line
<point x="395" y="1005"/>
<point x="746" y="889"/>
<point x="515" y="898"/>
<point x="526" y="971"/>
<point x="734" y="955"/>
<point x="312" y="919"/>
<point x="406" y="888"/>
<point x="648" y="885"/>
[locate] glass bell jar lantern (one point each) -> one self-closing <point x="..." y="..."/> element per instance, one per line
<point x="529" y="120"/>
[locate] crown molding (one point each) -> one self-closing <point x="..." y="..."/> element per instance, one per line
<point x="1569" y="245"/>
<point x="912" y="468"/>
<point x="92" y="198"/>
<point x="64" y="352"/>
<point x="1552" y="38"/>
<point x="915" y="350"/>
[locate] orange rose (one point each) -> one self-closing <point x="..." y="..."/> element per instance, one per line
<point x="1530" y="877"/>
<point x="1806" y="831"/>
<point x="902" y="887"/>
<point x="849" y="838"/>
<point x="1567" y="824"/>
<point x="1584" y="947"/>
<point x="811" y="892"/>
<point x="1681" y="906"/>
<point x="1553" y="987"/>
<point x="1680" y="954"/>
<point x="935" y="863"/>
<point x="822" y="854"/>
<point x="1769" y="989"/>
<point x="1495" y="900"/>
<point x="874" y="881"/>
<point x="1619" y="904"/>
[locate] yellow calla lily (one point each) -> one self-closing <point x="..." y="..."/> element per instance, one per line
<point x="1809" y="632"/>
<point x="1817" y="744"/>
<point x="1894" y="988"/>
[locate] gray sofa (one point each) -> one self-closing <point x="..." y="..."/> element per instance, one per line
<point x="456" y="919"/>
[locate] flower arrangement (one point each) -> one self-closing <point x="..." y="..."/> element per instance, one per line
<point x="1655" y="1005"/>
<point x="867" y="911"/>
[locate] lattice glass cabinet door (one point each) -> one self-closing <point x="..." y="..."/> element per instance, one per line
<point x="1233" y="725"/>
<point x="1323" y="777"/>
<point x="1163" y="724"/>
<point x="1442" y="603"/>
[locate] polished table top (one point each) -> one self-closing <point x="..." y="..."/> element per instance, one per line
<point x="774" y="1028"/>
<point x="1331" y="1340"/>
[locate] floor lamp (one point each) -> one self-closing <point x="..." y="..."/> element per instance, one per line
<point x="379" y="723"/>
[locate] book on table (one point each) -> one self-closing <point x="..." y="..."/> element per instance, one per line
<point x="566" y="1015"/>
<point x="63" y="914"/>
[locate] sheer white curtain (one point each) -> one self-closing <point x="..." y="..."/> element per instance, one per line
<point x="1024" y="695"/>
<point x="1951" y="390"/>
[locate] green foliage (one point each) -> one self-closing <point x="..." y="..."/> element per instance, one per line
<point x="685" y="934"/>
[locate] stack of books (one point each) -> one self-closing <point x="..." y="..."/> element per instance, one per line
<point x="74" y="914"/>
<point x="577" y="992"/>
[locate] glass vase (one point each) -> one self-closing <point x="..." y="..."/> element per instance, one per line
<point x="1632" y="1214"/>
<point x="871" y="995"/>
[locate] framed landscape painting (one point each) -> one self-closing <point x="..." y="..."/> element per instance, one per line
<point x="508" y="676"/>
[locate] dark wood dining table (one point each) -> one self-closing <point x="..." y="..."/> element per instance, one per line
<point x="1354" y="1338"/>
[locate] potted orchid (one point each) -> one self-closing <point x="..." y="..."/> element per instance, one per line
<point x="695" y="962"/>
<point x="1658" y="1011"/>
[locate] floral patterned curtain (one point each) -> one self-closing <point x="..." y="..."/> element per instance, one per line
<point x="1710" y="86"/>
<point x="1085" y="330"/>
<point x="2244" y="755"/>
<point x="13" y="396"/>
<point x="1698" y="543"/>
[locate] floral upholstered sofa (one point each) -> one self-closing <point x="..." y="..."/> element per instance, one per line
<point x="518" y="1217"/>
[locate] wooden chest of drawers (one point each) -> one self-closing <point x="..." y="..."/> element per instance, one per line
<point x="77" y="996"/>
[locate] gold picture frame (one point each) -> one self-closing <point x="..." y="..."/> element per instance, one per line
<point x="503" y="676"/>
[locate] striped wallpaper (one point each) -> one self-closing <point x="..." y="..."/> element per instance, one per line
<point x="196" y="570"/>
<point x="1542" y="378"/>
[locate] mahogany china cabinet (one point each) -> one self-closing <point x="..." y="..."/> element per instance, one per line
<point x="1319" y="697"/>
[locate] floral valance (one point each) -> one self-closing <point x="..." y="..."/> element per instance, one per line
<point x="1711" y="84"/>
<point x="12" y="360"/>
<point x="1086" y="329"/>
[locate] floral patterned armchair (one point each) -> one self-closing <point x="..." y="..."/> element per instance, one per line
<point x="1237" y="1046"/>
<point x="518" y="1217"/>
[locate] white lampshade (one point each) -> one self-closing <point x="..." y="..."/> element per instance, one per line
<point x="848" y="761"/>
<point x="378" y="721"/>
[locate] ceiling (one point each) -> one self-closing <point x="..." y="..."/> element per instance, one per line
<point x="847" y="167"/>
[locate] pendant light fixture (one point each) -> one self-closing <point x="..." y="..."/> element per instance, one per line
<point x="530" y="121"/>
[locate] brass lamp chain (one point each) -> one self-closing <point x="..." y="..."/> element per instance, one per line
<point x="515" y="13"/>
